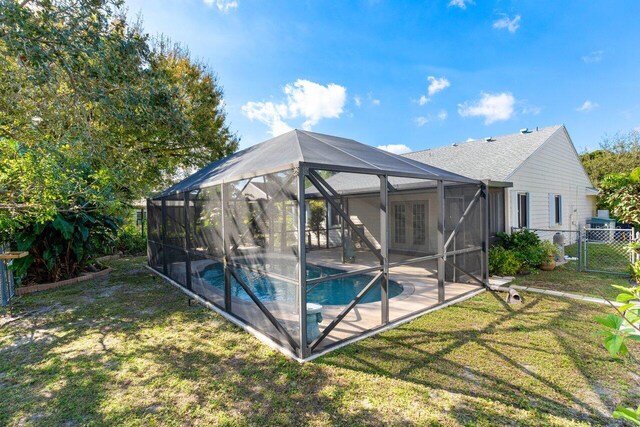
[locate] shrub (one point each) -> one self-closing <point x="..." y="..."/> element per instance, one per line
<point x="62" y="248"/>
<point x="503" y="262"/>
<point x="531" y="256"/>
<point x="130" y="240"/>
<point x="518" y="239"/>
<point x="526" y="246"/>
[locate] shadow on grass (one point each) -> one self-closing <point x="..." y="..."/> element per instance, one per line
<point x="128" y="350"/>
<point x="522" y="358"/>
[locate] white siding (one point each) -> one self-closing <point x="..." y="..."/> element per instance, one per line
<point x="553" y="169"/>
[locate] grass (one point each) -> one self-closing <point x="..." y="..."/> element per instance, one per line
<point x="603" y="257"/>
<point x="566" y="278"/>
<point x="128" y="350"/>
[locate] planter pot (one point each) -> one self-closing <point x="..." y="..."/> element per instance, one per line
<point x="548" y="265"/>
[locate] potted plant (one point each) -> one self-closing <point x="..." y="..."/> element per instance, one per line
<point x="550" y="252"/>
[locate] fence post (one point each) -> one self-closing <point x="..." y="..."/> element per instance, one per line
<point x="579" y="250"/>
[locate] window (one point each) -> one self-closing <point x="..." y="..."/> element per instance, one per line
<point x="523" y="210"/>
<point x="419" y="224"/>
<point x="400" y="223"/>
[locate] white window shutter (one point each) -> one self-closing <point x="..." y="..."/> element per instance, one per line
<point x="552" y="210"/>
<point x="529" y="225"/>
<point x="514" y="209"/>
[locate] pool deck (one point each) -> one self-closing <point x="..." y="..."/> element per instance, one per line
<point x="420" y="293"/>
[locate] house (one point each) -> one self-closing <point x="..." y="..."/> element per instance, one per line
<point x="535" y="177"/>
<point x="535" y="180"/>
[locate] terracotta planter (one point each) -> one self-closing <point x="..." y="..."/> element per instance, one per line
<point x="548" y="265"/>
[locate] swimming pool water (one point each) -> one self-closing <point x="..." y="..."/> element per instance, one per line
<point x="331" y="292"/>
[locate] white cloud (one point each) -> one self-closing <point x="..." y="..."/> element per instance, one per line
<point x="357" y="101"/>
<point x="269" y="114"/>
<point x="421" y="121"/>
<point x="587" y="106"/>
<point x="222" y="5"/>
<point x="395" y="148"/>
<point x="592" y="57"/>
<point x="510" y="24"/>
<point x="493" y="107"/>
<point x="305" y="99"/>
<point x="375" y="102"/>
<point x="462" y="4"/>
<point x="470" y="139"/>
<point x="437" y="85"/>
<point x="314" y="101"/>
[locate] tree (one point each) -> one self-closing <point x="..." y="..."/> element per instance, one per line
<point x="620" y="194"/>
<point x="617" y="154"/>
<point x="94" y="114"/>
<point x="316" y="217"/>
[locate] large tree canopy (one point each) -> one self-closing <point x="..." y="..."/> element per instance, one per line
<point x="93" y="113"/>
<point x="617" y="154"/>
<point x="615" y="169"/>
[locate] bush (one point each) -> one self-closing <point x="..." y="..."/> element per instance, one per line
<point x="531" y="256"/>
<point x="518" y="239"/>
<point x="525" y="246"/>
<point x="503" y="262"/>
<point x="62" y="248"/>
<point x="130" y="240"/>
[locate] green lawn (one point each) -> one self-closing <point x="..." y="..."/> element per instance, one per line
<point x="603" y="257"/>
<point x="565" y="278"/>
<point x="128" y="350"/>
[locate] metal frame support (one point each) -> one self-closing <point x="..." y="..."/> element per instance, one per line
<point x="485" y="234"/>
<point x="187" y="240"/>
<point x="304" y="350"/>
<point x="440" y="241"/>
<point x="225" y="244"/>
<point x="384" y="248"/>
<point x="163" y="235"/>
<point x="320" y="185"/>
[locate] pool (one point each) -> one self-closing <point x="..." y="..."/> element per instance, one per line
<point x="331" y="292"/>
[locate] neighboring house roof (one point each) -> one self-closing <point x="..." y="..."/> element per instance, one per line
<point x="316" y="150"/>
<point x="494" y="160"/>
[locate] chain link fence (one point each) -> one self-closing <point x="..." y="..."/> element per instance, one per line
<point x="599" y="250"/>
<point x="605" y="250"/>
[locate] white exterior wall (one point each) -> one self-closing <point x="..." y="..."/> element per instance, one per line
<point x="554" y="168"/>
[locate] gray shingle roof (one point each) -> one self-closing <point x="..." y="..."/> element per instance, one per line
<point x="495" y="160"/>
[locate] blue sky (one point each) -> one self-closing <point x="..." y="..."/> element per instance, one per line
<point x="414" y="75"/>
